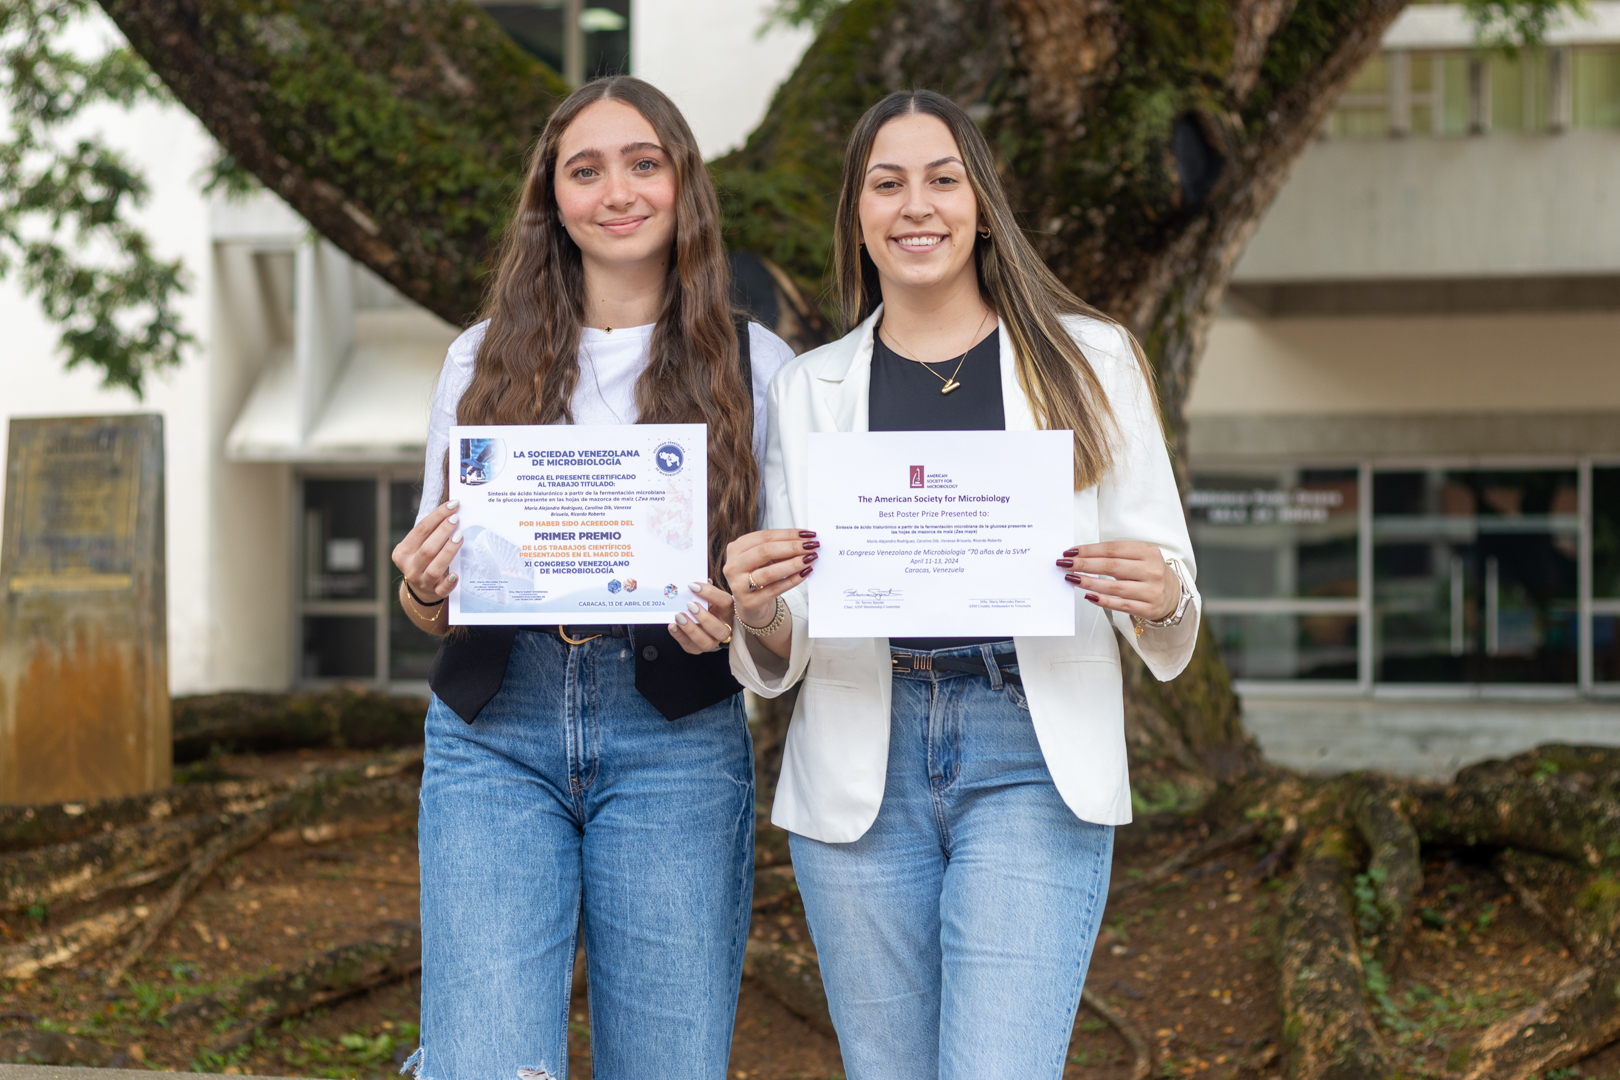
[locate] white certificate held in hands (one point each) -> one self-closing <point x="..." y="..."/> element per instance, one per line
<point x="941" y="533"/>
<point x="578" y="524"/>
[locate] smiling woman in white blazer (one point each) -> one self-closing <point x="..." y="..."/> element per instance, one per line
<point x="952" y="804"/>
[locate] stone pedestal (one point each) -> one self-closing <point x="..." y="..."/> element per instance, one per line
<point x="84" y="686"/>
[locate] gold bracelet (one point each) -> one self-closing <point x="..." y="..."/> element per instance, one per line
<point x="769" y="628"/>
<point x="438" y="609"/>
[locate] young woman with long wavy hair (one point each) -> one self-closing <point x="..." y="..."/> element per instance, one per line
<point x="592" y="775"/>
<point x="952" y="801"/>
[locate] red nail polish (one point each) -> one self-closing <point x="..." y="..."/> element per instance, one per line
<point x="1065" y="563"/>
<point x="806" y="571"/>
<point x="811" y="545"/>
<point x="810" y="558"/>
<point x="1072" y="577"/>
<point x="1093" y="597"/>
<point x="806" y="534"/>
<point x="1071" y="553"/>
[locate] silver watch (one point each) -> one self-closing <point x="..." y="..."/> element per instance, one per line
<point x="1175" y="617"/>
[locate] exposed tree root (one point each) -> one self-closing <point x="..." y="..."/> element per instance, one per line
<point x="25" y="827"/>
<point x="308" y="796"/>
<point x="75" y="941"/>
<point x="352" y="716"/>
<point x="1142" y="1064"/>
<point x="793" y="978"/>
<point x="773" y="884"/>
<point x="357" y="811"/>
<point x="1582" y="906"/>
<point x="1548" y="814"/>
<point x="1197" y="853"/>
<point x="1327" y="1030"/>
<point x="1379" y="809"/>
<point x="1579" y="1017"/>
<point x="332" y="976"/>
<point x="83" y="869"/>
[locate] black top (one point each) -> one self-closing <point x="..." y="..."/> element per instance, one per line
<point x="906" y="397"/>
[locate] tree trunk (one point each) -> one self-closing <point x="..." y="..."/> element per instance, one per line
<point x="1143" y="143"/>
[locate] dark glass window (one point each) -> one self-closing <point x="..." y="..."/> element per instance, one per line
<point x="541" y="29"/>
<point x="1606" y="533"/>
<point x="1290" y="646"/>
<point x="340" y="539"/>
<point x="1475" y="575"/>
<point x="1276" y="533"/>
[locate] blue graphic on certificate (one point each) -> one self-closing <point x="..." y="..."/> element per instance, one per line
<point x="579" y="524"/>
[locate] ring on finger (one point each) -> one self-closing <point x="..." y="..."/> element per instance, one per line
<point x="752" y="584"/>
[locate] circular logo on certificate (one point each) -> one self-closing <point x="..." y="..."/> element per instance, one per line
<point x="614" y="586"/>
<point x="670" y="591"/>
<point x="669" y="458"/>
<point x="629" y="584"/>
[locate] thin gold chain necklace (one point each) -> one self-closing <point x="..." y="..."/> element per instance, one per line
<point x="950" y="383"/>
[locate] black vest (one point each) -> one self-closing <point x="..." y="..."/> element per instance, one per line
<point x="471" y="665"/>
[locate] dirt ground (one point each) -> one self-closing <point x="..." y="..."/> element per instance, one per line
<point x="1189" y="962"/>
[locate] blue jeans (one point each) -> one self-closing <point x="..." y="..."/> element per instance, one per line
<point x="571" y="787"/>
<point x="954" y="936"/>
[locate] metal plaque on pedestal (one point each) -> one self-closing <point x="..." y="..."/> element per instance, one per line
<point x="84" y="684"/>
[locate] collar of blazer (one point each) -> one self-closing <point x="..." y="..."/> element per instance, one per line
<point x="844" y="370"/>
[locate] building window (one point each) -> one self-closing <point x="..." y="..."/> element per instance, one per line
<point x="1458" y="92"/>
<point x="349" y="625"/>
<point x="1415" y="578"/>
<point x="1475" y="575"/>
<point x="1606" y="575"/>
<point x="1279" y="566"/>
<point x="581" y="41"/>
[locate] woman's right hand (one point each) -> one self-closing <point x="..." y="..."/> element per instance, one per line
<point x="425" y="553"/>
<point x="763" y="565"/>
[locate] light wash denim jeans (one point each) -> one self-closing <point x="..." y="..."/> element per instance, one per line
<point x="571" y="785"/>
<point x="954" y="936"/>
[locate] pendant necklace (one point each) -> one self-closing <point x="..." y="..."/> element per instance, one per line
<point x="950" y="383"/>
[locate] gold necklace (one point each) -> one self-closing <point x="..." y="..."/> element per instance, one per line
<point x="950" y="383"/>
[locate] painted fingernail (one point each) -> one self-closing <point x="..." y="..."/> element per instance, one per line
<point x="1071" y="553"/>
<point x="810" y="558"/>
<point x="1072" y="577"/>
<point x="454" y="518"/>
<point x="806" y="534"/>
<point x="453" y="578"/>
<point x="693" y="608"/>
<point x="680" y="618"/>
<point x="672" y="628"/>
<point x="453" y="503"/>
<point x="806" y="571"/>
<point x="1093" y="597"/>
<point x="456" y="539"/>
<point x="811" y="545"/>
<point x="1065" y="563"/>
<point x="697" y="586"/>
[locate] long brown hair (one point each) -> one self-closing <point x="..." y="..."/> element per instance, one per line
<point x="528" y="363"/>
<point x="1030" y="301"/>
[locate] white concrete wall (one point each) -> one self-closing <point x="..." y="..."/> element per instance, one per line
<point x="1422" y="206"/>
<point x="709" y="58"/>
<point x="170" y="147"/>
<point x="1410" y="364"/>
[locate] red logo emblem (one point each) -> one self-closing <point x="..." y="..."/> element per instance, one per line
<point x="916" y="476"/>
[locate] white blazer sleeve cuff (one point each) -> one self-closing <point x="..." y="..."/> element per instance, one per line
<point x="761" y="670"/>
<point x="1164" y="649"/>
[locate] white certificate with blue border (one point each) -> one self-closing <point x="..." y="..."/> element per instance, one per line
<point x="578" y="524"/>
<point x="941" y="533"/>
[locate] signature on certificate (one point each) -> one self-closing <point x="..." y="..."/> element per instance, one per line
<point x="871" y="593"/>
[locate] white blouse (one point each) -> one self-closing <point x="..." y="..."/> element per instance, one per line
<point x="609" y="365"/>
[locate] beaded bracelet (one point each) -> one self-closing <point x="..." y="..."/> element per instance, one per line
<point x="769" y="628"/>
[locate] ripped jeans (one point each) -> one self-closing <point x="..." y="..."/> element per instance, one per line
<point x="954" y="936"/>
<point x="571" y="789"/>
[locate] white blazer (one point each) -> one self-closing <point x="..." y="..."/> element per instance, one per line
<point x="837" y="751"/>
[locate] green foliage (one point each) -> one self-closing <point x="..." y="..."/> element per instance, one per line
<point x="797" y="13"/>
<point x="1513" y="24"/>
<point x="65" y="201"/>
<point x="354" y="1054"/>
